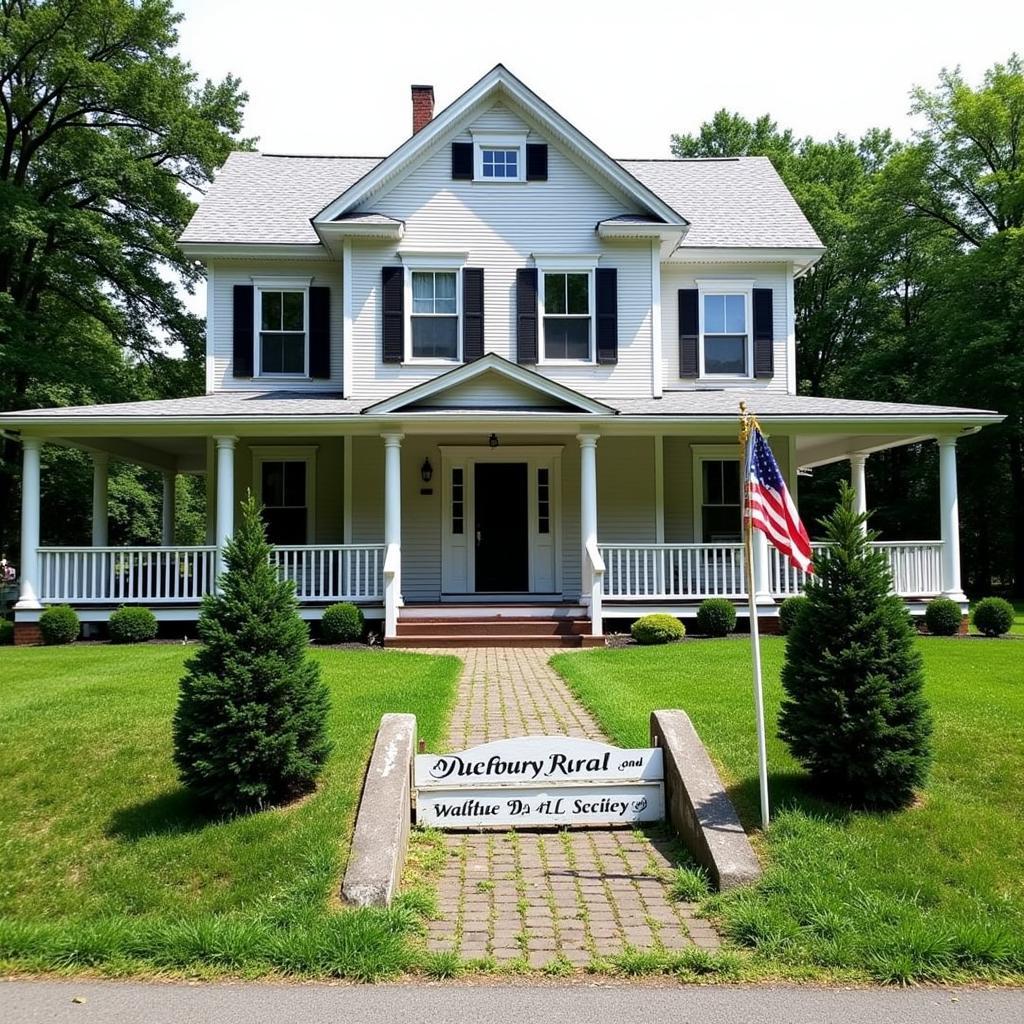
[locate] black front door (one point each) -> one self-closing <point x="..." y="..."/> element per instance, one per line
<point x="502" y="538"/>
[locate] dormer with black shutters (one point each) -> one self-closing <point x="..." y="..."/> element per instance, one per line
<point x="281" y="330"/>
<point x="499" y="158"/>
<point x="726" y="331"/>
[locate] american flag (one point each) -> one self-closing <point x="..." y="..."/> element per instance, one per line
<point x="769" y="507"/>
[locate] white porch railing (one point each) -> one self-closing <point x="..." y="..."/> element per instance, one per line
<point x="111" y="575"/>
<point x="916" y="568"/>
<point x="651" y="572"/>
<point x="644" y="572"/>
<point x="169" y="575"/>
<point x="333" y="572"/>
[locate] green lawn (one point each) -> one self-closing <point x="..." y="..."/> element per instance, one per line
<point x="106" y="863"/>
<point x="934" y="892"/>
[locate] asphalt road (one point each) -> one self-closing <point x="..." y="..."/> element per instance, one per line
<point x="113" y="1002"/>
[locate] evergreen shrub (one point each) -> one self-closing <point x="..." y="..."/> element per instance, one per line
<point x="993" y="616"/>
<point x="657" y="629"/>
<point x="59" y="625"/>
<point x="250" y="729"/>
<point x="341" y="624"/>
<point x="132" y="626"/>
<point x="716" y="616"/>
<point x="942" y="617"/>
<point x="853" y="712"/>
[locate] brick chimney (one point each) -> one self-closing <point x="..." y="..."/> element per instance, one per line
<point x="422" y="106"/>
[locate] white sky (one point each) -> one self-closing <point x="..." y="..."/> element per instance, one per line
<point x="333" y="77"/>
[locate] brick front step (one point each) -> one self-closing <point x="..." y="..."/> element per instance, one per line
<point x="492" y="626"/>
<point x="446" y="639"/>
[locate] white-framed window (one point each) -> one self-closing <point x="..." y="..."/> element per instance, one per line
<point x="565" y="287"/>
<point x="717" y="509"/>
<point x="285" y="484"/>
<point x="499" y="156"/>
<point x="726" y="328"/>
<point x="434" y="317"/>
<point x="433" y="306"/>
<point x="282" y="327"/>
<point x="499" y="162"/>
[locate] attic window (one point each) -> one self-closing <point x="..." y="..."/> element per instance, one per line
<point x="499" y="157"/>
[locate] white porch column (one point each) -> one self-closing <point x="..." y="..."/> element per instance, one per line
<point x="858" y="480"/>
<point x="593" y="579"/>
<point x="392" y="531"/>
<point x="225" y="495"/>
<point x="762" y="569"/>
<point x="949" y="520"/>
<point x="28" y="593"/>
<point x="168" y="509"/>
<point x="100" y="479"/>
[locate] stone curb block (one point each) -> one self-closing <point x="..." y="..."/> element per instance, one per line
<point x="697" y="805"/>
<point x="381" y="835"/>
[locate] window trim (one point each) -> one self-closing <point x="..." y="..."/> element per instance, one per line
<point x="699" y="454"/>
<point x="289" y="453"/>
<point x="279" y="284"/>
<point x="499" y="140"/>
<point x="559" y="264"/>
<point x="726" y="286"/>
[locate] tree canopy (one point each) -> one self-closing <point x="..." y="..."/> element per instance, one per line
<point x="920" y="296"/>
<point x="105" y="138"/>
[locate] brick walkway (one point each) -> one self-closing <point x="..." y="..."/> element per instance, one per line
<point x="541" y="895"/>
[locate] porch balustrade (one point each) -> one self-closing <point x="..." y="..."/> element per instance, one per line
<point x="169" y="575"/>
<point x="649" y="572"/>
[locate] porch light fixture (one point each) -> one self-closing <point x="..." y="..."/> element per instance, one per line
<point x="493" y="440"/>
<point x="426" y="471"/>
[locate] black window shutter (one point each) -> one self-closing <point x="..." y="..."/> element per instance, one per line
<point x="526" y="315"/>
<point x="320" y="333"/>
<point x="472" y="313"/>
<point x="607" y="306"/>
<point x="536" y="161"/>
<point x="689" y="329"/>
<point x="764" y="333"/>
<point x="242" y="327"/>
<point x="392" y="281"/>
<point x="462" y="161"/>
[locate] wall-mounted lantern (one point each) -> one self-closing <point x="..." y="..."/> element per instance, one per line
<point x="426" y="471"/>
<point x="493" y="440"/>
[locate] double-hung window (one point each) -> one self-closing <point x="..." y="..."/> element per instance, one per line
<point x="435" y="315"/>
<point x="725" y="331"/>
<point x="720" y="501"/>
<point x="283" y="318"/>
<point x="568" y="316"/>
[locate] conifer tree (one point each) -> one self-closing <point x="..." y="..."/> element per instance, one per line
<point x="251" y="724"/>
<point x="854" y="713"/>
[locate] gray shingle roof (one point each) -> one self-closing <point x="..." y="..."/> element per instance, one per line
<point x="258" y="198"/>
<point x="729" y="202"/>
<point x="265" y="199"/>
<point x="246" y="405"/>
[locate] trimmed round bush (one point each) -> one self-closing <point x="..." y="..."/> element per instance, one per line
<point x="716" y="617"/>
<point x="6" y="632"/>
<point x="132" y="626"/>
<point x="788" y="612"/>
<point x="657" y="629"/>
<point x="341" y="624"/>
<point x="59" y="625"/>
<point x="942" y="617"/>
<point x="993" y="616"/>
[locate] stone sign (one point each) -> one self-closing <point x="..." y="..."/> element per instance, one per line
<point x="539" y="780"/>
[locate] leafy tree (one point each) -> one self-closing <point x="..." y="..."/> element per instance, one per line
<point x="105" y="135"/>
<point x="854" y="713"/>
<point x="251" y="724"/>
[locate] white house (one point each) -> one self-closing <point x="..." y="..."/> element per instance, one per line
<point x="487" y="385"/>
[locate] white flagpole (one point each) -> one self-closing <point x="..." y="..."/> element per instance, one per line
<point x="755" y="633"/>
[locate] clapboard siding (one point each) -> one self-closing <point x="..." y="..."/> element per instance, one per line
<point x="220" y="298"/>
<point x="625" y="490"/>
<point x="500" y="226"/>
<point x="676" y="276"/>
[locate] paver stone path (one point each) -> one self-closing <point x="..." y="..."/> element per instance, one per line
<point x="540" y="895"/>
